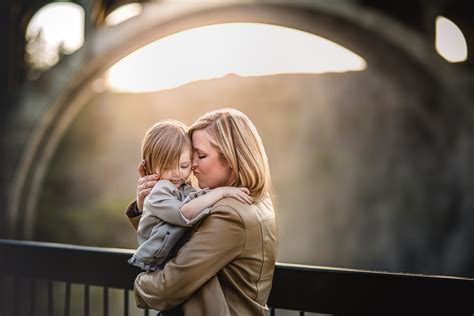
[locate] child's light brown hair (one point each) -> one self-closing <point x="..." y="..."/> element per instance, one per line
<point x="163" y="145"/>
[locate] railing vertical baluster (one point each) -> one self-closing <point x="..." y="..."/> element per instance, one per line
<point x="272" y="311"/>
<point x="15" y="299"/>
<point x="67" y="303"/>
<point x="125" y="302"/>
<point x="2" y="295"/>
<point x="50" y="298"/>
<point x="106" y="301"/>
<point x="86" y="300"/>
<point x="32" y="297"/>
<point x="301" y="313"/>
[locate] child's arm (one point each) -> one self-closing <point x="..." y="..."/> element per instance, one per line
<point x="164" y="204"/>
<point x="195" y="206"/>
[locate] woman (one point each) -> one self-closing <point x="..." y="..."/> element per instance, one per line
<point x="236" y="242"/>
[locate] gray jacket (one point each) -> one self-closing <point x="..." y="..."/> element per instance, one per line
<point x="162" y="225"/>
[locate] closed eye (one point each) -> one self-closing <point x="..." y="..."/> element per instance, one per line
<point x="200" y="154"/>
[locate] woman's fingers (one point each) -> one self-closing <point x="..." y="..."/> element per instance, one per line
<point x="147" y="181"/>
<point x="141" y="169"/>
<point x="149" y="184"/>
<point x="144" y="193"/>
<point x="144" y="184"/>
<point x="145" y="187"/>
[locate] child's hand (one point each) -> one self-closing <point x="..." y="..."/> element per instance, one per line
<point x="241" y="194"/>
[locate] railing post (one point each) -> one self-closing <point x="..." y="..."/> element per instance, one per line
<point x="67" y="299"/>
<point x="50" y="297"/>
<point x="16" y="306"/>
<point x="106" y="301"/>
<point x="32" y="297"/>
<point x="272" y="311"/>
<point x="125" y="302"/>
<point x="86" y="300"/>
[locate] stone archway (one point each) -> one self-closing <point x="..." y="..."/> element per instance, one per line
<point x="43" y="117"/>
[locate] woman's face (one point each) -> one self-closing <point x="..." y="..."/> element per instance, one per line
<point x="209" y="169"/>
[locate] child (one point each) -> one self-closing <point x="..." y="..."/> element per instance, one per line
<point x="173" y="205"/>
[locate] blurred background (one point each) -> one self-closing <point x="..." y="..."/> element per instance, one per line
<point x="365" y="109"/>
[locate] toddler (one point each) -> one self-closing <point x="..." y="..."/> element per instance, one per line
<point x="174" y="204"/>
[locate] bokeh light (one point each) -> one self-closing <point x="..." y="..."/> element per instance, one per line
<point x="123" y="13"/>
<point x="56" y="29"/>
<point x="450" y="42"/>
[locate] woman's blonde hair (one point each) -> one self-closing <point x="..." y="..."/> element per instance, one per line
<point x="163" y="145"/>
<point x="233" y="135"/>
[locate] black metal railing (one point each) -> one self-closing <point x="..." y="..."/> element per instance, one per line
<point x="38" y="279"/>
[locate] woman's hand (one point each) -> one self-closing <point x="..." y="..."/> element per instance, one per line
<point x="241" y="194"/>
<point x="145" y="184"/>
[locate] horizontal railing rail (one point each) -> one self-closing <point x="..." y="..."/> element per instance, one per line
<point x="295" y="287"/>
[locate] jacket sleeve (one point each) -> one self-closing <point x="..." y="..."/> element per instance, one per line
<point x="218" y="240"/>
<point x="163" y="202"/>
<point x="133" y="214"/>
<point x="154" y="251"/>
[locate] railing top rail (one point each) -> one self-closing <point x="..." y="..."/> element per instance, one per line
<point x="370" y="272"/>
<point x="296" y="287"/>
<point x="291" y="266"/>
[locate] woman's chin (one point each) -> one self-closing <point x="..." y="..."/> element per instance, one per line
<point x="202" y="184"/>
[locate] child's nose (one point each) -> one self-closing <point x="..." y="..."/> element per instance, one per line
<point x="175" y="173"/>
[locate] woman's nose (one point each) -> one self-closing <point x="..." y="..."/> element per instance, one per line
<point x="195" y="161"/>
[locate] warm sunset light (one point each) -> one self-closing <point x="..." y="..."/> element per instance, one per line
<point x="244" y="49"/>
<point x="450" y="41"/>
<point x="123" y="13"/>
<point x="57" y="28"/>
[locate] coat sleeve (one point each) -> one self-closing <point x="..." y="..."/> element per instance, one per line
<point x="163" y="202"/>
<point x="133" y="214"/>
<point x="218" y="240"/>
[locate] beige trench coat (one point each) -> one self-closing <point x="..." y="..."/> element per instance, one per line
<point x="225" y="268"/>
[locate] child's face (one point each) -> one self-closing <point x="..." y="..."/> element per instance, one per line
<point x="179" y="175"/>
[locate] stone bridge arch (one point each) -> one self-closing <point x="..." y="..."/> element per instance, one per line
<point x="49" y="105"/>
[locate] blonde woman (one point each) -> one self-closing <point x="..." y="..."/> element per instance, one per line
<point x="237" y="242"/>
